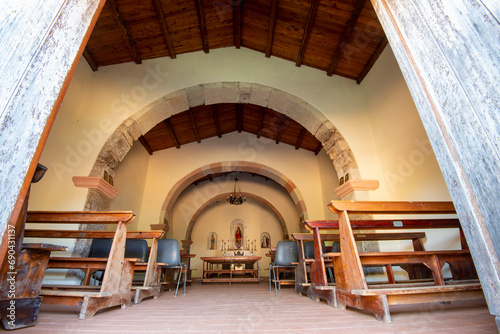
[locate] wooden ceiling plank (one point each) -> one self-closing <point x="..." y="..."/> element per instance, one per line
<point x="144" y="143"/>
<point x="270" y="29"/>
<point x="134" y="53"/>
<point x="380" y="48"/>
<point x="90" y="60"/>
<point x="283" y="121"/>
<point x="193" y="123"/>
<point x="307" y="32"/>
<point x="237" y="24"/>
<point x="346" y="34"/>
<point x="301" y="137"/>
<point x="239" y="117"/>
<point x="216" y="120"/>
<point x="200" y="7"/>
<point x="261" y="121"/>
<point x="164" y="28"/>
<point x="172" y="133"/>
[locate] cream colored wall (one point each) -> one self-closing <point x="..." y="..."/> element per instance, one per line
<point x="130" y="179"/>
<point x="409" y="167"/>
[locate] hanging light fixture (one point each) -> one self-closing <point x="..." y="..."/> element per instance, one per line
<point x="236" y="198"/>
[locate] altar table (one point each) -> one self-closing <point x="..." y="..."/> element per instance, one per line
<point x="213" y="269"/>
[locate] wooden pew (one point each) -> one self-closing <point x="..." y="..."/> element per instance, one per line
<point x="304" y="287"/>
<point x="22" y="270"/>
<point x="352" y="289"/>
<point x="117" y="281"/>
<point x="150" y="286"/>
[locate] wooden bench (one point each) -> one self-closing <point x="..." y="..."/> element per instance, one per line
<point x="303" y="285"/>
<point x="352" y="289"/>
<point x="150" y="287"/>
<point x="22" y="269"/>
<point x="117" y="281"/>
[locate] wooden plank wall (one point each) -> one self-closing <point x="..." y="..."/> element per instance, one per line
<point x="449" y="54"/>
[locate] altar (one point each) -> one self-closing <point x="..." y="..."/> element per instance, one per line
<point x="228" y="269"/>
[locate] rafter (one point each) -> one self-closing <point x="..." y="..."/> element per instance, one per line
<point x="301" y="137"/>
<point x="270" y="29"/>
<point x="307" y="31"/>
<point x="283" y="121"/>
<point x="318" y="149"/>
<point x="164" y="28"/>
<point x="239" y="117"/>
<point x="261" y="121"/>
<point x="344" y="39"/>
<point x="378" y="51"/>
<point x="200" y="6"/>
<point x="134" y="53"/>
<point x="215" y="112"/>
<point x="172" y="133"/>
<point x="194" y="126"/>
<point x="90" y="60"/>
<point x="144" y="143"/>
<point x="237" y="23"/>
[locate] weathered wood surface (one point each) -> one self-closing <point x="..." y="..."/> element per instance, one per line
<point x="36" y="77"/>
<point x="118" y="271"/>
<point x="348" y="263"/>
<point x="449" y="54"/>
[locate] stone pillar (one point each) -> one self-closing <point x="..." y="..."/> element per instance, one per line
<point x="449" y="55"/>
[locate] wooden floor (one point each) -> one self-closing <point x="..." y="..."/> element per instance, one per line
<point x="251" y="308"/>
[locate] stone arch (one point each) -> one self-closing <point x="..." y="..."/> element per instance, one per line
<point x="120" y="142"/>
<point x="240" y="166"/>
<point x="222" y="197"/>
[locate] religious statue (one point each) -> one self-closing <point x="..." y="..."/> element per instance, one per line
<point x="238" y="237"/>
<point x="212" y="242"/>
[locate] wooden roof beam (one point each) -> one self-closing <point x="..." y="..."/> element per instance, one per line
<point x="134" y="53"/>
<point x="281" y="128"/>
<point x="270" y="29"/>
<point x="215" y="112"/>
<point x="200" y="6"/>
<point x="90" y="60"/>
<point x="239" y="117"/>
<point x="318" y="149"/>
<point x="261" y="121"/>
<point x="237" y="24"/>
<point x="378" y="51"/>
<point x="144" y="143"/>
<point x="194" y="126"/>
<point x="346" y="34"/>
<point x="301" y="137"/>
<point x="307" y="32"/>
<point x="172" y="133"/>
<point x="160" y="14"/>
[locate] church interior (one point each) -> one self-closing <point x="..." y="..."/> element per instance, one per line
<point x="227" y="125"/>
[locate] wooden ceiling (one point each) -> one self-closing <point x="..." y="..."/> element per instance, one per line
<point x="202" y="122"/>
<point x="341" y="37"/>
